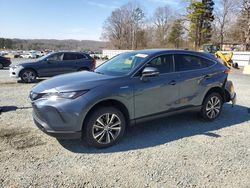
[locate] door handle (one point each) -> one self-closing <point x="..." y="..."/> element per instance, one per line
<point x="173" y="82"/>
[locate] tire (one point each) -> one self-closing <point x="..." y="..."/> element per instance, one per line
<point x="28" y="76"/>
<point x="212" y="107"/>
<point x="100" y="134"/>
<point x="1" y="66"/>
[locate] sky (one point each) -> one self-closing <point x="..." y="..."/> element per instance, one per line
<point x="63" y="19"/>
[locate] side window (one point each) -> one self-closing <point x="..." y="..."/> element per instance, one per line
<point x="69" y="56"/>
<point x="56" y="57"/>
<point x="189" y="62"/>
<point x="163" y="63"/>
<point x="80" y="56"/>
<point x="207" y="63"/>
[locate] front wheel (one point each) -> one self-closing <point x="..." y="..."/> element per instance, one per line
<point x="212" y="106"/>
<point x="104" y="127"/>
<point x="28" y="76"/>
<point x="1" y="66"/>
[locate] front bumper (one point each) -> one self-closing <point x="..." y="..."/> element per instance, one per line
<point x="230" y="92"/>
<point x="234" y="99"/>
<point x="57" y="134"/>
<point x="14" y="72"/>
<point x="60" y="118"/>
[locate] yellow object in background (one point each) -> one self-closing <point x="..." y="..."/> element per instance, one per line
<point x="226" y="58"/>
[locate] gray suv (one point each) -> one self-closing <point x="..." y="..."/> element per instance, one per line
<point x="53" y="64"/>
<point x="128" y="89"/>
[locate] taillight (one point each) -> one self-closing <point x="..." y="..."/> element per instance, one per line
<point x="227" y="71"/>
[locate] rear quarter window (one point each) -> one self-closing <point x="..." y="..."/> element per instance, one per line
<point x="81" y="56"/>
<point x="185" y="62"/>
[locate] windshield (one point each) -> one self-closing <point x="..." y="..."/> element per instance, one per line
<point x="121" y="64"/>
<point x="44" y="57"/>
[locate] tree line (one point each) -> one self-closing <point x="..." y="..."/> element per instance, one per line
<point x="43" y="44"/>
<point x="203" y="22"/>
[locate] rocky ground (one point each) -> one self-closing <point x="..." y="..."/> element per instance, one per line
<point x="179" y="151"/>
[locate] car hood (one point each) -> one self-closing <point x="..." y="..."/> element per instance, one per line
<point x="72" y="82"/>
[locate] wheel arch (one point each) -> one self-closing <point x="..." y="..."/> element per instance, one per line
<point x="216" y="89"/>
<point x="110" y="102"/>
<point x="28" y="68"/>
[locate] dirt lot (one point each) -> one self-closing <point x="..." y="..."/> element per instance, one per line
<point x="180" y="151"/>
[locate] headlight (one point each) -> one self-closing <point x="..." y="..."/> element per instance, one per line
<point x="64" y="95"/>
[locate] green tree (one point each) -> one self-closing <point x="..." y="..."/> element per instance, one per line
<point x="208" y="18"/>
<point x="175" y="36"/>
<point x="196" y="11"/>
<point x="137" y="17"/>
<point x="6" y="43"/>
<point x="200" y="15"/>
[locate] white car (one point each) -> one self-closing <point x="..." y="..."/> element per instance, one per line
<point x="28" y="56"/>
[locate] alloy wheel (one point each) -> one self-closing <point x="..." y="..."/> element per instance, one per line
<point x="29" y="76"/>
<point x="213" y="107"/>
<point x="106" y="128"/>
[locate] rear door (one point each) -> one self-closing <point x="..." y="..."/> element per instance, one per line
<point x="69" y="63"/>
<point x="157" y="94"/>
<point x="85" y="62"/>
<point x="194" y="75"/>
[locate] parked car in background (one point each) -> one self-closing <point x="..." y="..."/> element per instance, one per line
<point x="4" y="62"/>
<point x="28" y="56"/>
<point x="130" y="88"/>
<point x="53" y="64"/>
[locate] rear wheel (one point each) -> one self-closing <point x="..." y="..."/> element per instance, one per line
<point x="1" y="66"/>
<point x="104" y="127"/>
<point x="28" y="76"/>
<point x="212" y="106"/>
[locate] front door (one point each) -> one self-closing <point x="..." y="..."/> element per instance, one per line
<point x="157" y="94"/>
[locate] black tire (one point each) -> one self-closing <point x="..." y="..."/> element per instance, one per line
<point x="1" y="66"/>
<point x="100" y="134"/>
<point x="212" y="107"/>
<point x="28" y="75"/>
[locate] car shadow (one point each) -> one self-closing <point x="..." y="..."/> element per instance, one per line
<point x="167" y="130"/>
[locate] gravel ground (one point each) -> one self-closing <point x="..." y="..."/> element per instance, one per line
<point x="179" y="151"/>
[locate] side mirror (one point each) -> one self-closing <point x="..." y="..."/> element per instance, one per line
<point x="149" y="72"/>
